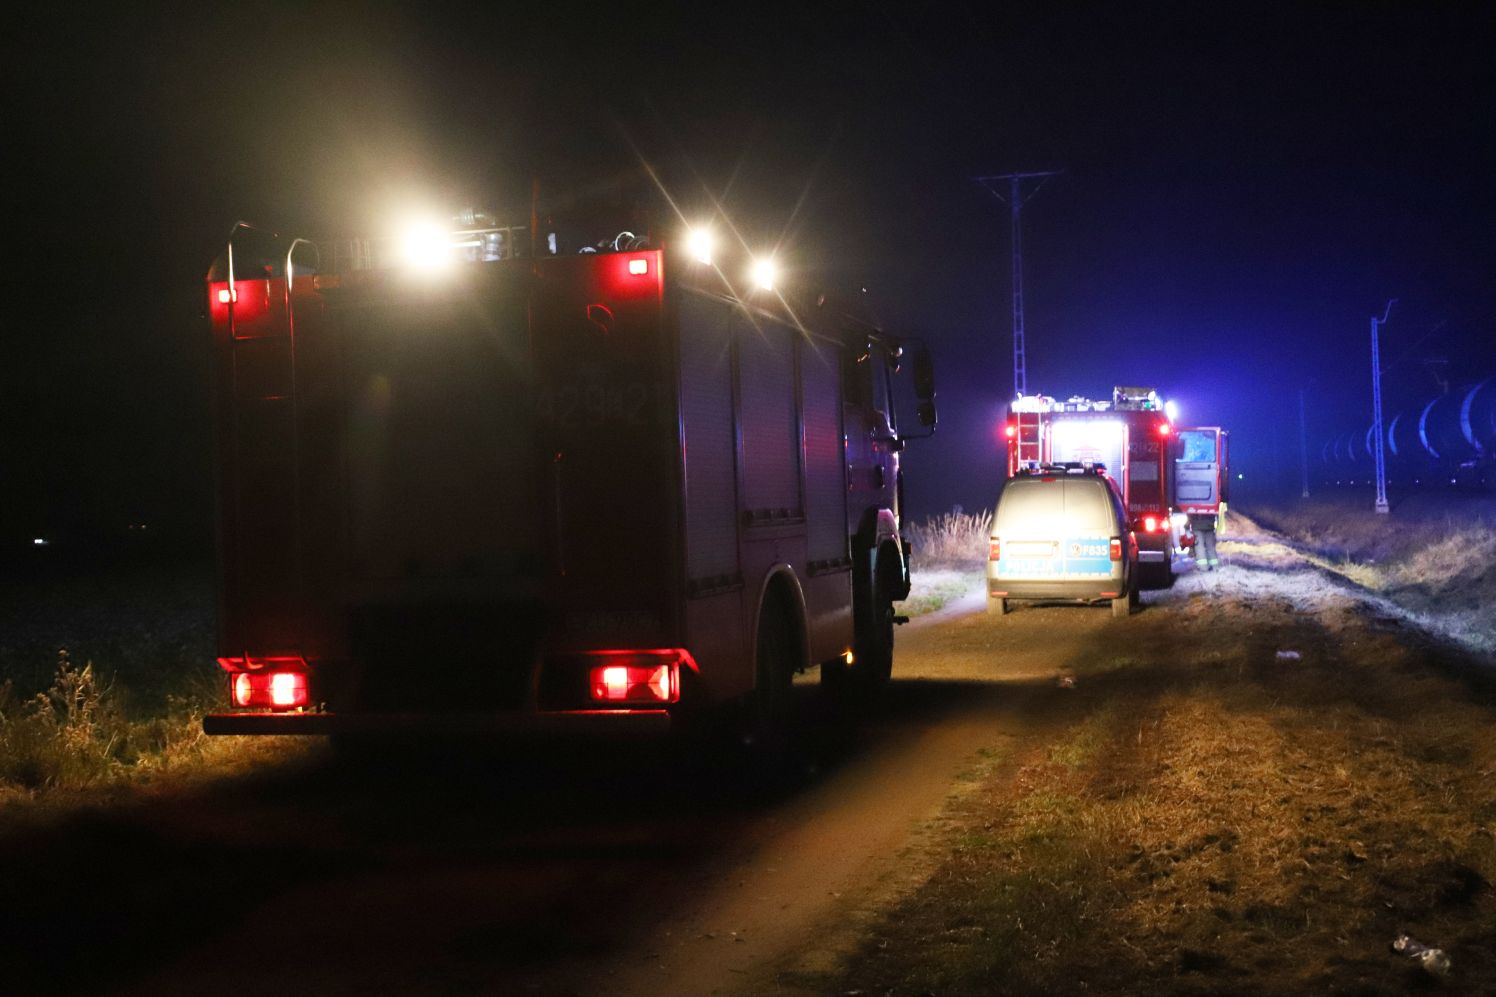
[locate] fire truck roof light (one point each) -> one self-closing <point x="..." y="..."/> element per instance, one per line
<point x="765" y="273"/>
<point x="1171" y="409"/>
<point x="700" y="242"/>
<point x="426" y="247"/>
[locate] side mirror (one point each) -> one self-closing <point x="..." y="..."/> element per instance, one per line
<point x="924" y="380"/>
<point x="894" y="356"/>
<point x="927" y="415"/>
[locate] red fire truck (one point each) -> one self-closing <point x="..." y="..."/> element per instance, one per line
<point x="469" y="485"/>
<point x="1130" y="436"/>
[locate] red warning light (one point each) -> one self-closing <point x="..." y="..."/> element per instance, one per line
<point x="1010" y="431"/>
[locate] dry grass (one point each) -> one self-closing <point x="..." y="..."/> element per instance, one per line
<point x="76" y="736"/>
<point x="954" y="541"/>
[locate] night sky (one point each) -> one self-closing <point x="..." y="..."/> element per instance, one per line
<point x="1243" y="188"/>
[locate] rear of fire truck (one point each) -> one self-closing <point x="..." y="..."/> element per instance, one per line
<point x="455" y="494"/>
<point x="403" y="475"/>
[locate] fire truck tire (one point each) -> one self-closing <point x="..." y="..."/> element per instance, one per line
<point x="876" y="644"/>
<point x="770" y="712"/>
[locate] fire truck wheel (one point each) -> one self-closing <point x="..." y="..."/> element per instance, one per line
<point x="876" y="650"/>
<point x="770" y="712"/>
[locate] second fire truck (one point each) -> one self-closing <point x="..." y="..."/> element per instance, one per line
<point x="1131" y="436"/>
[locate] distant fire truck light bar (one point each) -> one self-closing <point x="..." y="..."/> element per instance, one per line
<point x="650" y="677"/>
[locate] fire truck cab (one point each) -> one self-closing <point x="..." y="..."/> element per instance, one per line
<point x="1129" y="435"/>
<point x="486" y="488"/>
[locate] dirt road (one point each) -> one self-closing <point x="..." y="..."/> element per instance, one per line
<point x="628" y="873"/>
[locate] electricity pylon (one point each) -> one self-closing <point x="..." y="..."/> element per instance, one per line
<point x="1015" y="200"/>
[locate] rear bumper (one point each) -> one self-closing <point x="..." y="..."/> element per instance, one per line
<point x="1085" y="590"/>
<point x="582" y="723"/>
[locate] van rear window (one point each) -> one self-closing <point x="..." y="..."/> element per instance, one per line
<point x="1056" y="508"/>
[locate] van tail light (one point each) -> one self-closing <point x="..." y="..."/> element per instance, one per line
<point x="640" y="677"/>
<point x="1116" y="549"/>
<point x="994" y="549"/>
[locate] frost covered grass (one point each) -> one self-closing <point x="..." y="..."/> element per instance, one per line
<point x="1431" y="561"/>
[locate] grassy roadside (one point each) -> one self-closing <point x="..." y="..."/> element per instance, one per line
<point x="949" y="556"/>
<point x="104" y="679"/>
<point x="1209" y="817"/>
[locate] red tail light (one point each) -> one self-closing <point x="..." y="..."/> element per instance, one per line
<point x="1010" y="431"/>
<point x="1164" y="429"/>
<point x="273" y="690"/>
<point x="994" y="549"/>
<point x="1116" y="549"/>
<point x="648" y="677"/>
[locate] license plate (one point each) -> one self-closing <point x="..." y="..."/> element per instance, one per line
<point x="1030" y="548"/>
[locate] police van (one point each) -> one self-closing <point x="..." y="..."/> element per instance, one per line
<point x="1060" y="533"/>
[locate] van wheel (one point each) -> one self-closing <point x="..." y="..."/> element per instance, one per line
<point x="1134" y="598"/>
<point x="997" y="606"/>
<point x="1122" y="607"/>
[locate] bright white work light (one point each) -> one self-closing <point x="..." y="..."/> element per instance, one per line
<point x="1171" y="409"/>
<point x="426" y="247"/>
<point x="699" y="243"/>
<point x="765" y="272"/>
